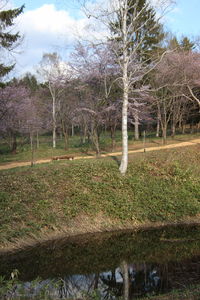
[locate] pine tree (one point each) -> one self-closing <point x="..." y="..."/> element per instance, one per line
<point x="186" y="44"/>
<point x="148" y="31"/>
<point x="8" y="40"/>
<point x="183" y="45"/>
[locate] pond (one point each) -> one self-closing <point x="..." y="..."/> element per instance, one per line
<point x="111" y="265"/>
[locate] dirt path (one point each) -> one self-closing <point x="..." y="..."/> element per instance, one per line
<point x="181" y="144"/>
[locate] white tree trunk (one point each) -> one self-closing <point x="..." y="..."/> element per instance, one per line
<point x="54" y="122"/>
<point x="125" y="80"/>
<point x="31" y="140"/>
<point x="158" y="127"/>
<point x="32" y="149"/>
<point x="124" y="160"/>
<point x="136" y="126"/>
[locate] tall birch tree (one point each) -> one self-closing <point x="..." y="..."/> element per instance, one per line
<point x="128" y="33"/>
<point x="54" y="75"/>
<point x="135" y="25"/>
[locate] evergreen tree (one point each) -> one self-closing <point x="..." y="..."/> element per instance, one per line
<point x="183" y="45"/>
<point x="8" y="40"/>
<point x="30" y="81"/>
<point x="186" y="44"/>
<point x="148" y="31"/>
<point x="173" y="44"/>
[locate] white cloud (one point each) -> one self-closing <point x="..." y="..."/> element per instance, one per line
<point x="46" y="29"/>
<point x="47" y="20"/>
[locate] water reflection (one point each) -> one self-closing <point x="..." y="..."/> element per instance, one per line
<point x="126" y="265"/>
<point x="128" y="281"/>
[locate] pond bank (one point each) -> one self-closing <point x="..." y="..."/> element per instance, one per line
<point x="81" y="229"/>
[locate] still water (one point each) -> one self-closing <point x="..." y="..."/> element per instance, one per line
<point x="117" y="265"/>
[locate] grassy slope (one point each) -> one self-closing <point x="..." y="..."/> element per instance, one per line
<point x="159" y="186"/>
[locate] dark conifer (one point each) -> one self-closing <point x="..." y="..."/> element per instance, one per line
<point x="8" y="40"/>
<point x="148" y="31"/>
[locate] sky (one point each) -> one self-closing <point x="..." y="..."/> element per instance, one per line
<point x="52" y="25"/>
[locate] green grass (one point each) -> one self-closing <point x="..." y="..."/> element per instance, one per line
<point x="160" y="186"/>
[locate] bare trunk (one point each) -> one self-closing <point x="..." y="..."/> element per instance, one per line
<point x="158" y="127"/>
<point x="65" y="133"/>
<point x="112" y="134"/>
<point x="124" y="160"/>
<point x="164" y="134"/>
<point x="66" y="139"/>
<point x="183" y="128"/>
<point x="136" y="126"/>
<point x="95" y="139"/>
<point x="72" y="129"/>
<point x="144" y="140"/>
<point x="31" y="141"/>
<point x="180" y="122"/>
<point x="54" y="122"/>
<point x="38" y="141"/>
<point x="10" y="141"/>
<point x="84" y="132"/>
<point x="125" y="81"/>
<point x="173" y="129"/>
<point x="14" y="144"/>
<point x="32" y="150"/>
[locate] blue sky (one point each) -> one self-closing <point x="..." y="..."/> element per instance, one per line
<point x="32" y="4"/>
<point x="69" y="5"/>
<point x="184" y="19"/>
<point x="50" y="25"/>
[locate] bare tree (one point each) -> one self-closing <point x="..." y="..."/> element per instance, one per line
<point x="53" y="73"/>
<point x="129" y="30"/>
<point x="19" y="114"/>
<point x="94" y="69"/>
<point x="176" y="81"/>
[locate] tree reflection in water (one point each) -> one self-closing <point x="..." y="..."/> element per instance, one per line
<point x="126" y="265"/>
<point x="129" y="281"/>
<point x="134" y="280"/>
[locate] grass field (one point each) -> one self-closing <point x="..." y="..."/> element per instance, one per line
<point x="91" y="195"/>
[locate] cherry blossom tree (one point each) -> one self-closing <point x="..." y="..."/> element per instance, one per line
<point x="176" y="82"/>
<point x="94" y="67"/>
<point x="11" y="113"/>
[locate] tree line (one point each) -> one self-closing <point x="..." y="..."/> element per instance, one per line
<point x="139" y="77"/>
